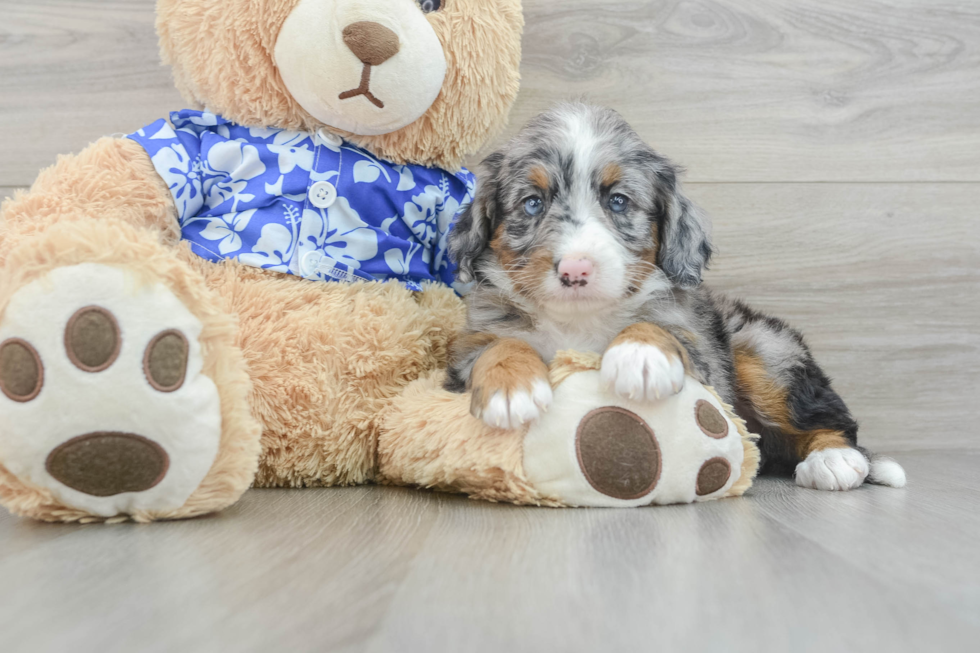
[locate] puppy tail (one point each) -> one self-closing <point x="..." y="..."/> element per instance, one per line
<point x="885" y="471"/>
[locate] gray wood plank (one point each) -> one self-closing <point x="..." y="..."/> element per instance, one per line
<point x="782" y="90"/>
<point x="386" y="569"/>
<point x="802" y="90"/>
<point x="73" y="71"/>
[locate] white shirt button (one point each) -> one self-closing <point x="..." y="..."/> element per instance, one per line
<point x="323" y="194"/>
<point x="311" y="262"/>
<point x="330" y="138"/>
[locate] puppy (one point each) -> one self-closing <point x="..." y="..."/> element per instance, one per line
<point x="580" y="237"/>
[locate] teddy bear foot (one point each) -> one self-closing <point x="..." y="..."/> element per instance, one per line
<point x="105" y="408"/>
<point x="595" y="448"/>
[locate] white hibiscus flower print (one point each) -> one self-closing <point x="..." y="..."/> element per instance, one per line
<point x="367" y="172"/>
<point x="340" y="233"/>
<point x="292" y="150"/>
<point x="228" y="168"/>
<point x="273" y="250"/>
<point x="429" y="216"/>
<point x="183" y="176"/>
<point x="400" y="262"/>
<point x="226" y="229"/>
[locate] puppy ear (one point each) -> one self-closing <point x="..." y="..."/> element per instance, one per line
<point x="470" y="236"/>
<point x="685" y="240"/>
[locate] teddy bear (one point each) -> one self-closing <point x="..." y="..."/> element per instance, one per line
<point x="256" y="291"/>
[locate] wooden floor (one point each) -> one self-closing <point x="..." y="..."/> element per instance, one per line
<point x="385" y="569"/>
<point x="836" y="143"/>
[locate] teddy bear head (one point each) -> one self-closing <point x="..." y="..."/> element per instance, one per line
<point x="414" y="81"/>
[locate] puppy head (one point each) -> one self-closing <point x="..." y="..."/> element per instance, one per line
<point x="577" y="212"/>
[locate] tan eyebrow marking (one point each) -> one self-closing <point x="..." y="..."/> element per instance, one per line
<point x="539" y="177"/>
<point x="611" y="174"/>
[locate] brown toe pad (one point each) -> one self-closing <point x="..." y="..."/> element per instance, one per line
<point x="21" y="371"/>
<point x="165" y="361"/>
<point x="713" y="476"/>
<point x="106" y="464"/>
<point x="711" y="421"/>
<point x="92" y="339"/>
<point x="618" y="453"/>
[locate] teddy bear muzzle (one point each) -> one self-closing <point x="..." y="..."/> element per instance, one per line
<point x="349" y="64"/>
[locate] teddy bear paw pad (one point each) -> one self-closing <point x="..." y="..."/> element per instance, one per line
<point x="618" y="453"/>
<point x="597" y="448"/>
<point x="104" y="402"/>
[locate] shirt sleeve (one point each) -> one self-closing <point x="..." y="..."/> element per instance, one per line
<point x="176" y="156"/>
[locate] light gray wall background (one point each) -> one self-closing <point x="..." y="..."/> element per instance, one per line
<point x="836" y="143"/>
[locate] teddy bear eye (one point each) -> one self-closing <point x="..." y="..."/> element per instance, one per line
<point x="428" y="6"/>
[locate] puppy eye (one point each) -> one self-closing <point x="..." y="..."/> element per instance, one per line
<point x="533" y="206"/>
<point x="618" y="203"/>
<point x="428" y="6"/>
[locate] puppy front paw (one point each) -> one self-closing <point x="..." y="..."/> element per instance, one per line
<point x="511" y="409"/>
<point x="509" y="384"/>
<point x="642" y="372"/>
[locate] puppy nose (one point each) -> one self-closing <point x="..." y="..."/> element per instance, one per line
<point x="372" y="43"/>
<point x="576" y="270"/>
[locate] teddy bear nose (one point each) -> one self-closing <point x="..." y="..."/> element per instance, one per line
<point x="371" y="42"/>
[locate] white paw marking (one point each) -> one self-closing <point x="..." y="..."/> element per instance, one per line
<point x="519" y="408"/>
<point x="833" y="469"/>
<point x="885" y="471"/>
<point x="642" y="372"/>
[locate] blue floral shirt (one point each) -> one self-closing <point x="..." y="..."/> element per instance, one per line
<point x="311" y="205"/>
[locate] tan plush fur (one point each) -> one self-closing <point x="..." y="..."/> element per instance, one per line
<point x="431" y="440"/>
<point x="326" y="362"/>
<point x="222" y="57"/>
<point x="110" y="176"/>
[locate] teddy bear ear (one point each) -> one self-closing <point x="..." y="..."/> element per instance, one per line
<point x="470" y="236"/>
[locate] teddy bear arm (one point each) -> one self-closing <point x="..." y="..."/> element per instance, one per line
<point x="111" y="177"/>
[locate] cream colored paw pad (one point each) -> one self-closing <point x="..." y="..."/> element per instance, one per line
<point x="597" y="448"/>
<point x="104" y="401"/>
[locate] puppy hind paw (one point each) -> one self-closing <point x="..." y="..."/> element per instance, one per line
<point x="833" y="470"/>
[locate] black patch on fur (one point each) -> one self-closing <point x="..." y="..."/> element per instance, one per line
<point x="454" y="381"/>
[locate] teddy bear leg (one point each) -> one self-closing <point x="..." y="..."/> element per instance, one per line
<point x="592" y="448"/>
<point x="122" y="390"/>
<point x="429" y="439"/>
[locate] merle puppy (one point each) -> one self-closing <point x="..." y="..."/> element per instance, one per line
<point x="581" y="238"/>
